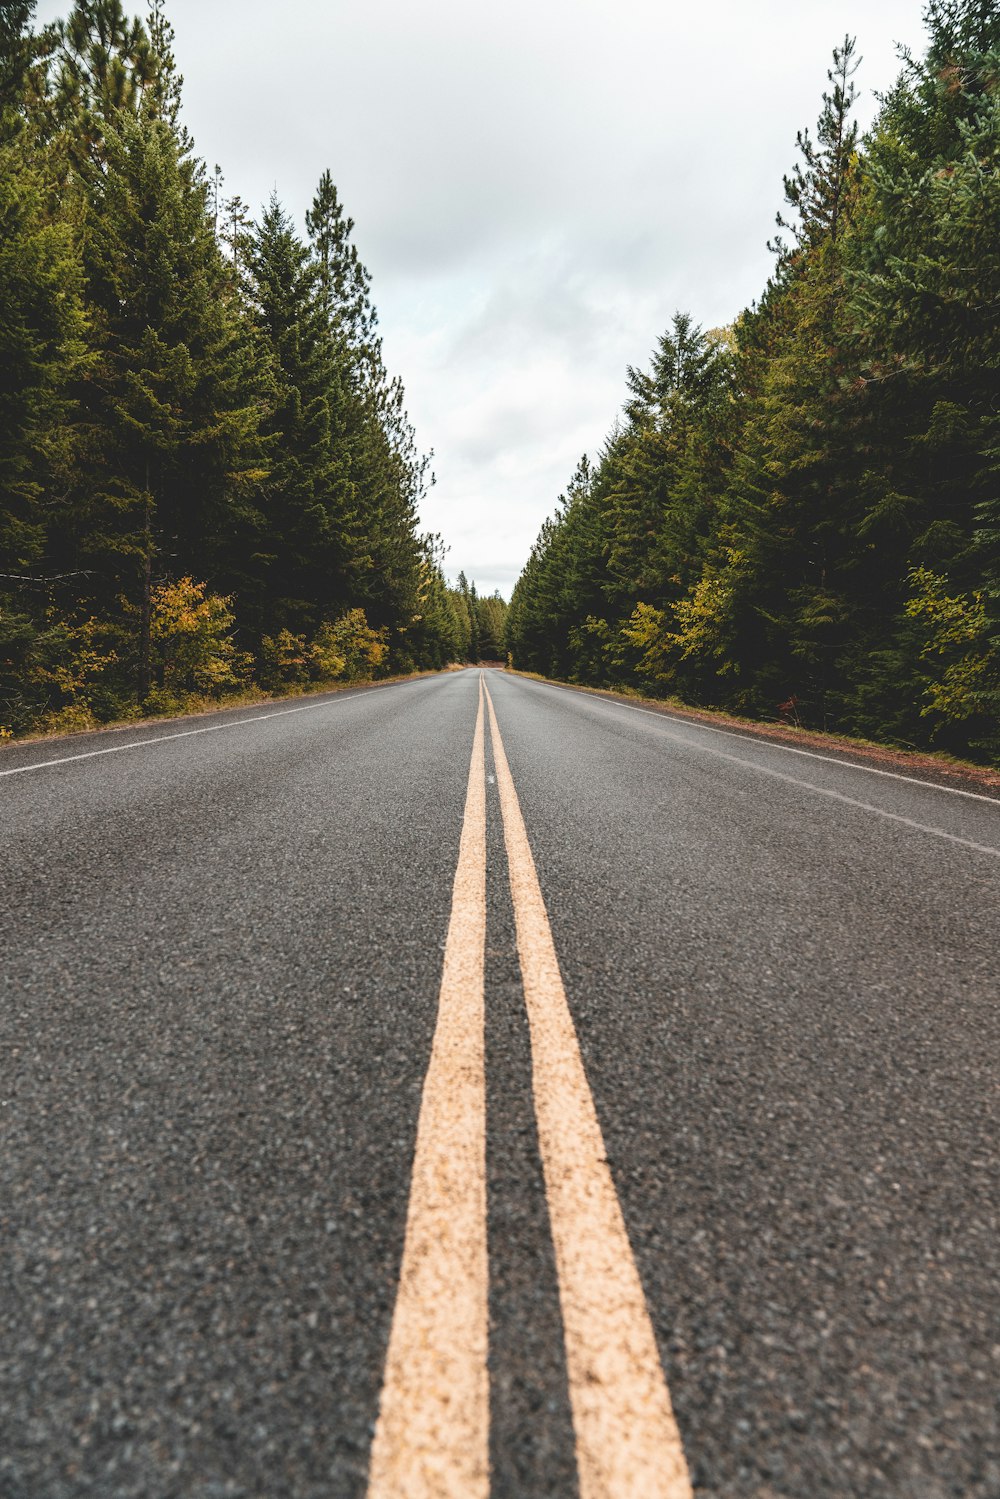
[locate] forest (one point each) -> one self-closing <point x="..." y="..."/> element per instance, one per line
<point x="208" y="481"/>
<point x="797" y="517"/>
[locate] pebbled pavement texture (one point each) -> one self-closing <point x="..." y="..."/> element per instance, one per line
<point x="219" y="963"/>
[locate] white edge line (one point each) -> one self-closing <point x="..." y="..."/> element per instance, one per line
<point x="837" y="796"/>
<point x="852" y="801"/>
<point x="215" y="728"/>
<point x="762" y="740"/>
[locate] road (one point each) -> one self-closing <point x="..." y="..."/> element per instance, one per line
<point x="429" y="1091"/>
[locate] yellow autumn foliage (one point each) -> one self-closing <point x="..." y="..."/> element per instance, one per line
<point x="191" y="632"/>
<point x="955" y="646"/>
<point x="696" y="625"/>
<point x="345" y="649"/>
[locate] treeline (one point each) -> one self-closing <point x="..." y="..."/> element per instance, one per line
<point x="481" y="623"/>
<point x="798" y="515"/>
<point x="207" y="476"/>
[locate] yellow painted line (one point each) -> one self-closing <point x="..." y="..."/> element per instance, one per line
<point x="627" y="1442"/>
<point x="432" y="1436"/>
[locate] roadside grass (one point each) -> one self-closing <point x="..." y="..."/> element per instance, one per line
<point x="73" y="723"/>
<point x="930" y="764"/>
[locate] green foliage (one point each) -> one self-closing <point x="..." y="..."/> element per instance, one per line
<point x="284" y="658"/>
<point x="364" y="650"/>
<point x="803" y="509"/>
<point x="165" y="419"/>
<point x="959" y="656"/>
<point x="818" y="188"/>
<point x="184" y="395"/>
<point x="477" y="629"/>
<point x="295" y="548"/>
<point x="54" y="673"/>
<point x="492" y="617"/>
<point x="344" y="281"/>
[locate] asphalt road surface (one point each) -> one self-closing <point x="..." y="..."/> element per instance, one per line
<point x="403" y="1097"/>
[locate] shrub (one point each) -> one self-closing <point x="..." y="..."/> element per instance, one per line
<point x="192" y="641"/>
<point x="284" y="659"/>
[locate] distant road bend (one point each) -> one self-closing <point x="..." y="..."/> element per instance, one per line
<point x="471" y="1087"/>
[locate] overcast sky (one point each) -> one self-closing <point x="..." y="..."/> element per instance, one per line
<point x="536" y="188"/>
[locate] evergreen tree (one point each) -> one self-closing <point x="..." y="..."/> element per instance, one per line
<point x="167" y="416"/>
<point x="42" y="332"/>
<point x="16" y="53"/>
<point x="296" y="572"/>
<point x="163" y="90"/>
<point x="344" y="281"/>
<point x="492" y="614"/>
<point x="653" y="530"/>
<point x="105" y="66"/>
<point x="467" y="591"/>
<point x="388" y="476"/>
<point x="818" y="527"/>
<point x="925" y="286"/>
<point x="817" y="188"/>
<point x="188" y="403"/>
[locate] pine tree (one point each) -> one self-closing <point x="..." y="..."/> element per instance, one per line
<point x="188" y="403"/>
<point x="167" y="416"/>
<point x="296" y="574"/>
<point x="15" y="60"/>
<point x="685" y="372"/>
<point x="468" y="594"/>
<point x="344" y="281"/>
<point x="819" y="528"/>
<point x="817" y="189"/>
<point x="163" y="89"/>
<point x="105" y="66"/>
<point x="42" y="330"/>
<point x="41" y="348"/>
<point x="653" y="468"/>
<point x="492" y="611"/>
<point x="925" y="284"/>
<point x="388" y="475"/>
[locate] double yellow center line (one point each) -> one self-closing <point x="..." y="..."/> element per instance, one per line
<point x="432" y="1436"/>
